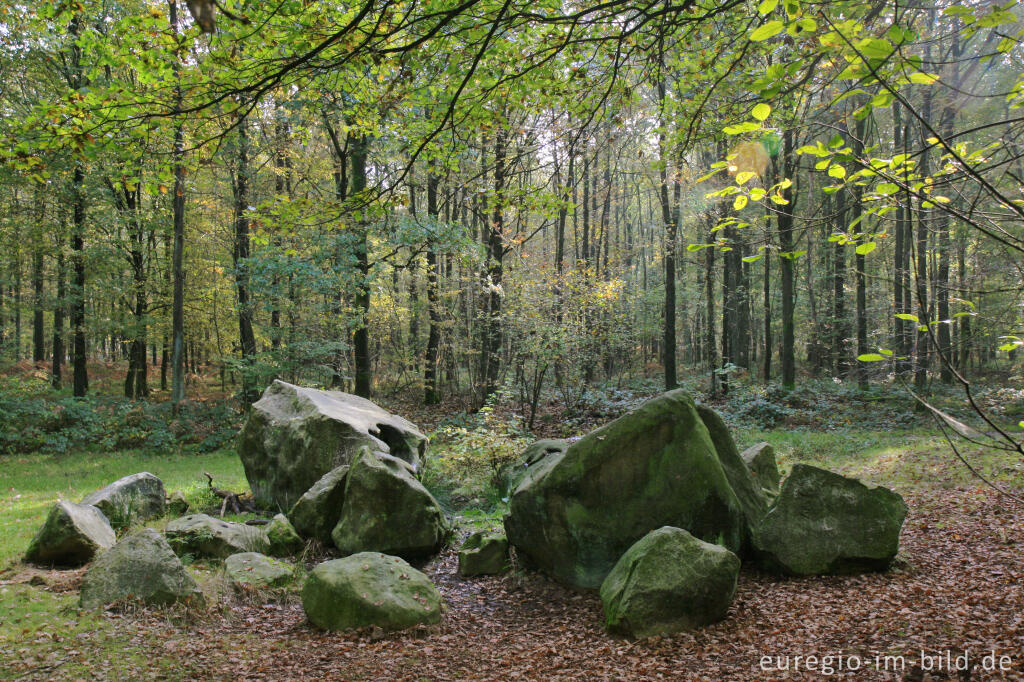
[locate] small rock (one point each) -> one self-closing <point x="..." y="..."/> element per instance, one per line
<point x="141" y="567"/>
<point x="71" y="535"/>
<point x="317" y="512"/>
<point x="132" y="499"/>
<point x="483" y="554"/>
<point x="284" y="541"/>
<point x="203" y="535"/>
<point x="252" y="569"/>
<point x="177" y="505"/>
<point x="760" y="459"/>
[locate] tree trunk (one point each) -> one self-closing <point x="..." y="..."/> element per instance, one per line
<point x="358" y="153"/>
<point x="495" y="244"/>
<point x="785" y="225"/>
<point x="178" y="257"/>
<point x="431" y="395"/>
<point x="246" y="336"/>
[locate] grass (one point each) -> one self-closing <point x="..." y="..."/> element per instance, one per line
<point x="32" y="483"/>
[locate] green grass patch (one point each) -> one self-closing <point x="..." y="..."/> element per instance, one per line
<point x="32" y="483"/>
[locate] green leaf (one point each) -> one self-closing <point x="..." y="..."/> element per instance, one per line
<point x="837" y="171"/>
<point x="907" y="316"/>
<point x="767" y="7"/>
<point x="887" y="188"/>
<point x="768" y="30"/>
<point x="871" y="357"/>
<point x="751" y="259"/>
<point x="743" y="176"/>
<point x="922" y="78"/>
<point x="865" y="248"/>
<point x="761" y="111"/>
<point x="740" y="203"/>
<point x="740" y="128"/>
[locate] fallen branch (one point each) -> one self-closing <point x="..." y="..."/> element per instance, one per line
<point x="236" y="500"/>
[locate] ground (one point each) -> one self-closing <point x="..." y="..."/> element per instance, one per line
<point x="958" y="587"/>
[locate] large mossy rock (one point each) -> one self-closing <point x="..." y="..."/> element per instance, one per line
<point x="252" y="569"/>
<point x="203" y="535"/>
<point x="316" y="513"/>
<point x="760" y="459"/>
<point x="667" y="582"/>
<point x="369" y="589"/>
<point x="747" y="490"/>
<point x="387" y="510"/>
<point x="71" y="536"/>
<point x="141" y="567"/>
<point x="283" y="539"/>
<point x="826" y="523"/>
<point x="132" y="499"/>
<point x="295" y="435"/>
<point x="483" y="554"/>
<point x="574" y="514"/>
<point x="511" y="475"/>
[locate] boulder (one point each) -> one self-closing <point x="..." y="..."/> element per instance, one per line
<point x="575" y="513"/>
<point x="387" y="510"/>
<point x="132" y="499"/>
<point x="369" y="589"/>
<point x="141" y="567"/>
<point x="316" y="513"/>
<point x="483" y="554"/>
<point x="284" y="541"/>
<point x="71" y="535"/>
<point x="667" y="582"/>
<point x="252" y="569"/>
<point x="203" y="535"/>
<point x="760" y="459"/>
<point x="177" y="505"/>
<point x="511" y="475"/>
<point x="826" y="523"/>
<point x="748" y="491"/>
<point x="295" y="435"/>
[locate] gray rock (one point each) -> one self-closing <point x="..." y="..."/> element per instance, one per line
<point x="295" y="435"/>
<point x="252" y="569"/>
<point x="667" y="582"/>
<point x="203" y="535"/>
<point x="760" y="459"/>
<point x="143" y="568"/>
<point x="387" y="510"/>
<point x="284" y="541"/>
<point x="574" y="514"/>
<point x="369" y="589"/>
<point x="826" y="523"/>
<point x="71" y="535"/>
<point x="177" y="505"/>
<point x="511" y="475"/>
<point x="316" y="513"/>
<point x="132" y="499"/>
<point x="483" y="554"/>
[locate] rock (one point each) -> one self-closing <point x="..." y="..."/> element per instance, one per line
<point x="826" y="523"/>
<point x="760" y="459"/>
<point x="202" y="535"/>
<point x="667" y="582"/>
<point x="483" y="554"/>
<point x="177" y="505"/>
<point x="296" y="435"/>
<point x="71" y="535"/>
<point x="387" y="510"/>
<point x="511" y="475"/>
<point x="369" y="589"/>
<point x="317" y="512"/>
<point x="752" y="498"/>
<point x="574" y="514"/>
<point x="252" y="569"/>
<point x="132" y="499"/>
<point x="284" y="541"/>
<point x="141" y="567"/>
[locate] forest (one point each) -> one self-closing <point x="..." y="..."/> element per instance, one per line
<point x="508" y="221"/>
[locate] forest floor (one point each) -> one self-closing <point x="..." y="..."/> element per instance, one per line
<point x="957" y="588"/>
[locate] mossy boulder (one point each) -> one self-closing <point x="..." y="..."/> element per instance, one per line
<point x="252" y="569"/>
<point x="825" y="523"/>
<point x="71" y="536"/>
<point x="177" y="505"/>
<point x="369" y="589"/>
<point x="483" y="553"/>
<point x="387" y="510"/>
<point x="667" y="582"/>
<point x="511" y="475"/>
<point x="141" y="567"/>
<point x="575" y="513"/>
<point x="748" y="491"/>
<point x="283" y="539"/>
<point x="316" y="513"/>
<point x="205" y="536"/>
<point x="132" y="499"/>
<point x="295" y="435"/>
<point x="760" y="459"/>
